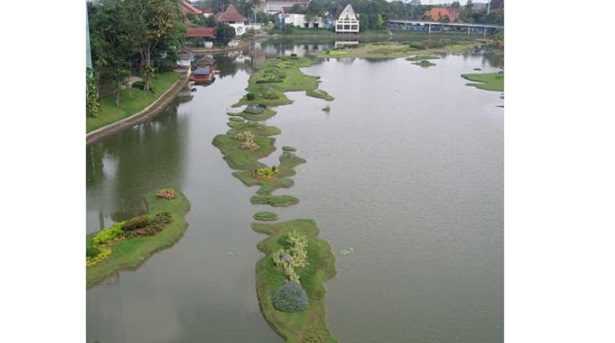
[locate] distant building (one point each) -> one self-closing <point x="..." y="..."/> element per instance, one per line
<point x="441" y="13"/>
<point x="187" y="8"/>
<point x="234" y="19"/>
<point x="299" y="20"/>
<point x="276" y="6"/>
<point x="347" y="21"/>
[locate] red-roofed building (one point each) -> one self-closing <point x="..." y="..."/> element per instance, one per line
<point x="234" y="19"/>
<point x="204" y="32"/>
<point x="441" y="13"/>
<point x="187" y="8"/>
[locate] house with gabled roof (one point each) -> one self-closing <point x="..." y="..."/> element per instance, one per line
<point x="347" y="21"/>
<point x="234" y="19"/>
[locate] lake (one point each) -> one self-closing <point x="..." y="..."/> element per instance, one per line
<point x="406" y="169"/>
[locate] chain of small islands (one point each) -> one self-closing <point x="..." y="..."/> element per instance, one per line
<point x="290" y="277"/>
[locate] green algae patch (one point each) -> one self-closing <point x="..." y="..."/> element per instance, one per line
<point x="424" y="63"/>
<point x="277" y="76"/>
<point x="486" y="81"/>
<point x="238" y="158"/>
<point x="265" y="216"/>
<point x="255" y="128"/>
<point x="308" y="325"/>
<point x="422" y="57"/>
<point x="270" y="180"/>
<point x="289" y="148"/>
<point x="387" y="50"/>
<point x="320" y="94"/>
<point x="274" y="200"/>
<point x="264" y="115"/>
<point x="130" y="253"/>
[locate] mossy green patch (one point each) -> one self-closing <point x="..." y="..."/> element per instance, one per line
<point x="424" y="63"/>
<point x="257" y="129"/>
<point x="274" y="200"/>
<point x="266" y="114"/>
<point x="277" y="76"/>
<point x="422" y="57"/>
<point x="309" y="325"/>
<point x="281" y="179"/>
<point x="265" y="216"/>
<point x="486" y="81"/>
<point x="129" y="254"/>
<point x="288" y="148"/>
<point x="238" y="158"/>
<point x="319" y="93"/>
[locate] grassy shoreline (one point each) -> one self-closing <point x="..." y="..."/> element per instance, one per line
<point x="308" y="325"/>
<point x="131" y="253"/>
<point x="132" y="101"/>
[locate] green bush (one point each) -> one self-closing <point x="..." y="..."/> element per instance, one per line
<point x="135" y="223"/>
<point x="290" y="298"/>
<point x="105" y="236"/>
<point x="250" y="96"/>
<point x="92" y="251"/>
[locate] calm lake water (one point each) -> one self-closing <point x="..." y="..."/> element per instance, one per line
<point x="406" y="169"/>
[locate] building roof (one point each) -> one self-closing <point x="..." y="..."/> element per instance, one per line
<point x="202" y="71"/>
<point x="230" y="15"/>
<point x="347" y="13"/>
<point x="187" y="8"/>
<point x="200" y="32"/>
<point x="438" y="13"/>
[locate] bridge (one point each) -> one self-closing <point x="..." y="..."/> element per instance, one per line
<point x="435" y="26"/>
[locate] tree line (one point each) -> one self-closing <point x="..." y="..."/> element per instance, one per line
<point x="129" y="37"/>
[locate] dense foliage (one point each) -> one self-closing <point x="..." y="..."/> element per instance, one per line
<point x="138" y="37"/>
<point x="290" y="297"/>
<point x="93" y="102"/>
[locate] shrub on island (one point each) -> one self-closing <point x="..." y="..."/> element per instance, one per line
<point x="290" y="298"/>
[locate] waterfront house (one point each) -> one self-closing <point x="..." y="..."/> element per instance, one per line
<point x="234" y="19"/>
<point x="347" y="21"/>
<point x="276" y="6"/>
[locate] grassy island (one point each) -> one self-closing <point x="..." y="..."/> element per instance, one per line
<point x="306" y="324"/>
<point x="128" y="244"/>
<point x="265" y="216"/>
<point x="424" y="63"/>
<point x="486" y="81"/>
<point x="386" y="50"/>
<point x="274" y="200"/>
<point x="279" y="75"/>
<point x="272" y="178"/>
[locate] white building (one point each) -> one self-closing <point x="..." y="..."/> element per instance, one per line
<point x="234" y="19"/>
<point x="347" y="22"/>
<point x="298" y="20"/>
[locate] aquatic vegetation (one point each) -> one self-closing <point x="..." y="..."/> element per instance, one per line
<point x="274" y="200"/>
<point x="424" y="63"/>
<point x="308" y="325"/>
<point x="265" y="216"/>
<point x="486" y="81"/>
<point x="112" y="250"/>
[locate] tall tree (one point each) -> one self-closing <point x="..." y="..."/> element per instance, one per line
<point x="153" y="21"/>
<point x="111" y="41"/>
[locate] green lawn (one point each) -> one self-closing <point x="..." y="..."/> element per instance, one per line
<point x="132" y="101"/>
<point x="486" y="81"/>
<point x="309" y="325"/>
<point x="129" y="254"/>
